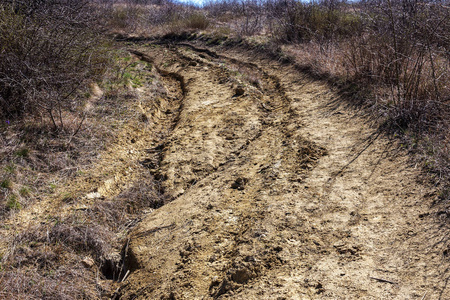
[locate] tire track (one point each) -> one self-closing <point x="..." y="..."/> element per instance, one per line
<point x="274" y="195"/>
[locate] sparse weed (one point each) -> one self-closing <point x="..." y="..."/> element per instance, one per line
<point x="6" y="184"/>
<point x="52" y="187"/>
<point x="12" y="202"/>
<point x="136" y="83"/>
<point x="127" y="76"/>
<point x="23" y="152"/>
<point x="25" y="191"/>
<point x="67" y="197"/>
<point x="10" y="168"/>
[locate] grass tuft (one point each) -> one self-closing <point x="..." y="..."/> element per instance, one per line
<point x="12" y="202"/>
<point x="6" y="184"/>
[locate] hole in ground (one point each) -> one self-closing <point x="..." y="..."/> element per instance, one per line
<point x="116" y="269"/>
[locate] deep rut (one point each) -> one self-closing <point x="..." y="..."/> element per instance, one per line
<point x="277" y="194"/>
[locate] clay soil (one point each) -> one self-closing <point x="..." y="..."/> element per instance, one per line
<point x="280" y="191"/>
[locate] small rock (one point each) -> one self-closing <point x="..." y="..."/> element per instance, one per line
<point x="88" y="262"/>
<point x="93" y="195"/>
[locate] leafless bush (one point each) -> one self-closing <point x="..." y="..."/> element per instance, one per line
<point x="294" y="21"/>
<point x="197" y="20"/>
<point x="405" y="47"/>
<point x="162" y="14"/>
<point x="141" y="17"/>
<point x="252" y="18"/>
<point x="246" y="16"/>
<point x="217" y="9"/>
<point x="124" y="17"/>
<point x="49" y="51"/>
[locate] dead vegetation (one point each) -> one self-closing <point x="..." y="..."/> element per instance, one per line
<point x="69" y="252"/>
<point x="50" y="53"/>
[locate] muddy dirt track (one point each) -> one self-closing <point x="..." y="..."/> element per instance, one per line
<point x="279" y="192"/>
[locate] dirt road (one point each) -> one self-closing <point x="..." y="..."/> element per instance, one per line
<point x="279" y="192"/>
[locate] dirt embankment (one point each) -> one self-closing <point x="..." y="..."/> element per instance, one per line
<point x="280" y="192"/>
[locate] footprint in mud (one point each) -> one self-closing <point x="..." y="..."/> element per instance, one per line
<point x="242" y="271"/>
<point x="239" y="91"/>
<point x="239" y="184"/>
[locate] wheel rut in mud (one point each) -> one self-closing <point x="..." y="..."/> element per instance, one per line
<point x="277" y="192"/>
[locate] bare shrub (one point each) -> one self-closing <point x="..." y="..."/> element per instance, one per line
<point x="135" y="17"/>
<point x="218" y="9"/>
<point x="197" y="20"/>
<point x="161" y="14"/>
<point x="140" y="17"/>
<point x="49" y="52"/>
<point x="406" y="49"/>
<point x="300" y="22"/>
<point x="123" y="17"/>
<point x="251" y="21"/>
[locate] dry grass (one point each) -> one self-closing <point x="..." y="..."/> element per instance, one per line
<point x="65" y="283"/>
<point x="72" y="253"/>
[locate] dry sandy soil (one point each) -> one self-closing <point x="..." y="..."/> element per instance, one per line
<point x="278" y="190"/>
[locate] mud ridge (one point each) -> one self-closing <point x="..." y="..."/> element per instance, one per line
<point x="146" y="58"/>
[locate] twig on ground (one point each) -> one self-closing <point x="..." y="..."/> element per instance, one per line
<point x="383" y="280"/>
